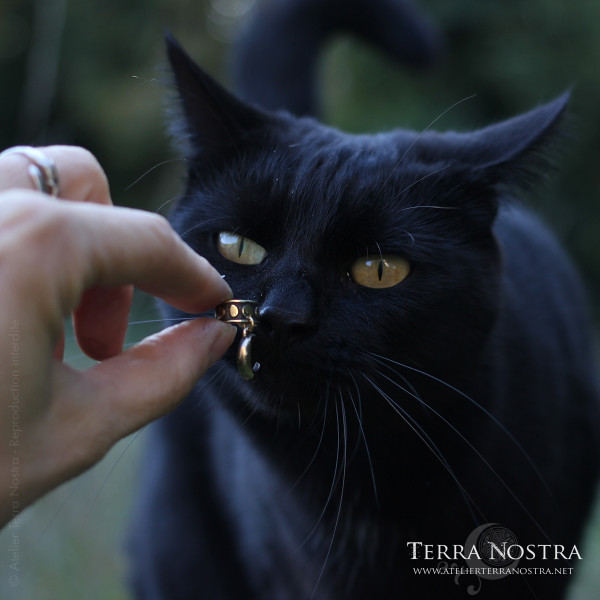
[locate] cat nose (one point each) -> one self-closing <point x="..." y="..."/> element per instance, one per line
<point x="287" y="324"/>
<point x="287" y="315"/>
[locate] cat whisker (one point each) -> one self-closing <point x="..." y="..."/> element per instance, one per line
<point x="160" y="164"/>
<point x="314" y="456"/>
<point x="504" y="429"/>
<point x="344" y="447"/>
<point x="408" y="187"/>
<point x="413" y="394"/>
<point x="166" y="202"/>
<point x="198" y="225"/>
<point x="334" y="479"/>
<point x="144" y="81"/>
<point x="79" y="355"/>
<point x="472" y="447"/>
<point x="423" y="132"/>
<point x="430" y="444"/>
<point x="161" y="320"/>
<point x="426" y="205"/>
<point x="77" y="482"/>
<point x="358" y="412"/>
<point x="74" y="486"/>
<point x="116" y="462"/>
<point x="214" y="374"/>
<point x="356" y="446"/>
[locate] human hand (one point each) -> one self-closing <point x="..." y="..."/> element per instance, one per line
<point x="59" y="257"/>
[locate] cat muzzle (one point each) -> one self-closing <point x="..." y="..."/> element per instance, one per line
<point x="243" y="314"/>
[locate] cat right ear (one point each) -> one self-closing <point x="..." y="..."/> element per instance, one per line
<point x="212" y="122"/>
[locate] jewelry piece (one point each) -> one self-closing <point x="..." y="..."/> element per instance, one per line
<point x="42" y="169"/>
<point x="242" y="313"/>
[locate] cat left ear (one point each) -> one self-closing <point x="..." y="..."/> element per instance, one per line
<point x="514" y="151"/>
<point x="214" y="120"/>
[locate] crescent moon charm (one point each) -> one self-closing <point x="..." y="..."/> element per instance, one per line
<point x="243" y="314"/>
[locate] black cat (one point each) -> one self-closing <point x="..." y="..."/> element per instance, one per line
<point x="426" y="393"/>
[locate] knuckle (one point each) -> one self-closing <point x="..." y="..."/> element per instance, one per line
<point x="161" y="230"/>
<point x="94" y="169"/>
<point x="28" y="214"/>
<point x="80" y="167"/>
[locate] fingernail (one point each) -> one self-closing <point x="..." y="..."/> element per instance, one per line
<point x="223" y="290"/>
<point x="220" y="286"/>
<point x="223" y="338"/>
<point x="227" y="294"/>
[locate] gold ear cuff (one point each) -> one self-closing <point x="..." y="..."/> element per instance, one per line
<point x="242" y="313"/>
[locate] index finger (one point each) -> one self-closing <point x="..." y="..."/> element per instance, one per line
<point x="80" y="176"/>
<point x="116" y="246"/>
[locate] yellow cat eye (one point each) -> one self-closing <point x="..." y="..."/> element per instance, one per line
<point x="381" y="272"/>
<point x="240" y="249"/>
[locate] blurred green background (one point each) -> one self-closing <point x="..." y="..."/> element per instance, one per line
<point x="93" y="74"/>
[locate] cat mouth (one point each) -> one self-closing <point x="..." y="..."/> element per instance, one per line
<point x="286" y="365"/>
<point x="283" y="376"/>
<point x="278" y="351"/>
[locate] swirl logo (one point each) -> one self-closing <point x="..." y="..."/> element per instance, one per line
<point x="494" y="544"/>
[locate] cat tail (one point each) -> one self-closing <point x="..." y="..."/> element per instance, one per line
<point x="276" y="60"/>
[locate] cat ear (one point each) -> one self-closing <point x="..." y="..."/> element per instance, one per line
<point x="213" y="122"/>
<point x="509" y="155"/>
<point x="513" y="152"/>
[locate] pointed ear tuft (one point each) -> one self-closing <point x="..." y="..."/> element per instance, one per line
<point x="212" y="122"/>
<point x="506" y="157"/>
<point x="516" y="151"/>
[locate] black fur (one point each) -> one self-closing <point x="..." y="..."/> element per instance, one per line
<point x="464" y="395"/>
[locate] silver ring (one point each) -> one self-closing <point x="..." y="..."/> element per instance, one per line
<point x="42" y="169"/>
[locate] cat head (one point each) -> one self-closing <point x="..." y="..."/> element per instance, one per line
<point x="360" y="249"/>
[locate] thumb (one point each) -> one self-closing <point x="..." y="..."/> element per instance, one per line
<point x="151" y="378"/>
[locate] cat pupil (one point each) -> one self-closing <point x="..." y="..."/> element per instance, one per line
<point x="380" y="270"/>
<point x="239" y="249"/>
